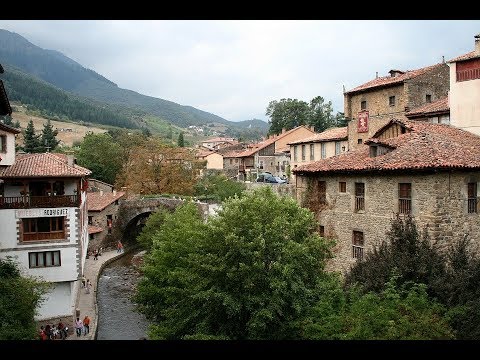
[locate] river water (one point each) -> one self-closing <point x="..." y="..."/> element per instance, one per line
<point x="117" y="316"/>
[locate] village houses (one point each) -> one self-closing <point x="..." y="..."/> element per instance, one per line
<point x="427" y="167"/>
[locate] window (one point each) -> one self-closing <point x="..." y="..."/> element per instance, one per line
<point x="260" y="164"/>
<point x="90" y="220"/>
<point x="373" y="150"/>
<point x="391" y="101"/>
<point x="3" y="143"/>
<point x="363" y="105"/>
<point x="295" y="150"/>
<point x="109" y="223"/>
<point x="48" y="228"/>
<point x="231" y="161"/>
<point x="428" y="98"/>
<point x="359" y="196"/>
<point x="472" y="198"/>
<point x="312" y="152"/>
<point x="404" y="198"/>
<point x="91" y="236"/>
<point x="342" y="186"/>
<point x="321" y="230"/>
<point x="116" y="202"/>
<point x="359" y="141"/>
<point x="303" y="152"/>
<point x="44" y="259"/>
<point x="357" y="245"/>
<point x="323" y="150"/>
<point x="236" y="161"/>
<point x="337" y="147"/>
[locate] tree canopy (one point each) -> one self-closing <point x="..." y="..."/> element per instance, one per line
<point x="19" y="301"/>
<point x="102" y="155"/>
<point x="247" y="273"/>
<point x="290" y="113"/>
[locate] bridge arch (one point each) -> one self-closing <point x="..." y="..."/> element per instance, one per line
<point x="132" y="214"/>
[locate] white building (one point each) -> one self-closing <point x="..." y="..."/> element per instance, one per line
<point x="465" y="90"/>
<point x="43" y="220"/>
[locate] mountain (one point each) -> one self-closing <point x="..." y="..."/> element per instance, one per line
<point x="64" y="73"/>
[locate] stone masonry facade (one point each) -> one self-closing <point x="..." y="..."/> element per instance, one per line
<point x="408" y="95"/>
<point x="439" y="204"/>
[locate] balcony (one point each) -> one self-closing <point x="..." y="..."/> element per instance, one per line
<point x="26" y="202"/>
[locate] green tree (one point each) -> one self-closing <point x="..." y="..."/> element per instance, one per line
<point x="181" y="141"/>
<point x="48" y="140"/>
<point x="102" y="155"/>
<point x="19" y="301"/>
<point x="17" y="124"/>
<point x="399" y="312"/>
<point x="286" y="114"/>
<point x="216" y="186"/>
<point x="31" y="140"/>
<point x="7" y="120"/>
<point x="153" y="224"/>
<point x="249" y="272"/>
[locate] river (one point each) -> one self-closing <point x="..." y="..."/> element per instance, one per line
<point x="117" y="316"/>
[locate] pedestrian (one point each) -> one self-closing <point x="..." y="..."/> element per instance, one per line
<point x="83" y="281"/>
<point x="78" y="326"/>
<point x="61" y="330"/>
<point x="119" y="247"/>
<point x="88" y="287"/>
<point x="95" y="254"/>
<point x="86" y="325"/>
<point x="43" y="335"/>
<point x="48" y="332"/>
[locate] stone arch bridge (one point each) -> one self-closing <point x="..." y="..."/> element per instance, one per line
<point x="132" y="214"/>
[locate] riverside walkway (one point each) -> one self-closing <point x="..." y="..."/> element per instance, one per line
<point x="87" y="303"/>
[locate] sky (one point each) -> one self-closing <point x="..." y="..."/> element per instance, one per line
<point x="234" y="68"/>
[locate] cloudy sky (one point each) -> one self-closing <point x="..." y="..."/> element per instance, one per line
<point x="234" y="68"/>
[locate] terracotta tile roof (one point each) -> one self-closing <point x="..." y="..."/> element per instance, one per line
<point x="467" y="56"/>
<point x="389" y="80"/>
<point x="97" y="202"/>
<point x="92" y="229"/>
<point x="340" y="133"/>
<point x="9" y="128"/>
<point x="201" y="153"/>
<point x="427" y="146"/>
<point x="42" y="165"/>
<point x="439" y="106"/>
<point x="219" y="139"/>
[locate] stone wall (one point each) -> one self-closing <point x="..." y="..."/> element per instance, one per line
<point x="439" y="204"/>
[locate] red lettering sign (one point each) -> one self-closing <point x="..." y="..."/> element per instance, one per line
<point x="362" y="125"/>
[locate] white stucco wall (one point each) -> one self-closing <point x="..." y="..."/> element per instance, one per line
<point x="8" y="157"/>
<point x="59" y="302"/>
<point x="464" y="101"/>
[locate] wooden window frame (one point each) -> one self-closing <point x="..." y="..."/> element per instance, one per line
<point x="363" y="105"/>
<point x="37" y="255"/>
<point x="358" y="245"/>
<point x="56" y="231"/>
<point x="312" y="152"/>
<point x="359" y="196"/>
<point x="472" y="198"/>
<point x="342" y="186"/>
<point x="391" y="100"/>
<point x="405" y="198"/>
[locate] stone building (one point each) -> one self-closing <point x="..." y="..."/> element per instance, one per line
<point x="102" y="215"/>
<point x="437" y="112"/>
<point x="328" y="143"/>
<point x="429" y="171"/>
<point x="371" y="105"/>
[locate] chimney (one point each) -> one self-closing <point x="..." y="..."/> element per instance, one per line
<point x="312" y="128"/>
<point x="70" y="158"/>
<point x="477" y="44"/>
<point x="376" y="75"/>
<point x="101" y="192"/>
<point x="443" y="59"/>
<point x="114" y="192"/>
<point x="283" y="130"/>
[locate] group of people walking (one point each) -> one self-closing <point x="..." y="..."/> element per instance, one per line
<point x="52" y="332"/>
<point x="82" y="326"/>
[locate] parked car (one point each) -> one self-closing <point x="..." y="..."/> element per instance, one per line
<point x="280" y="180"/>
<point x="269" y="178"/>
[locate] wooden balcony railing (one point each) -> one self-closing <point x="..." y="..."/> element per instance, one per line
<point x="54" y="235"/>
<point x="26" y="202"/>
<point x="472" y="205"/>
<point x="404" y="206"/>
<point x="357" y="252"/>
<point x="359" y="203"/>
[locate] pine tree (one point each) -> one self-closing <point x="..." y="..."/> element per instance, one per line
<point x="31" y="140"/>
<point x="48" y="139"/>
<point x="181" y="141"/>
<point x="7" y="120"/>
<point x="17" y="124"/>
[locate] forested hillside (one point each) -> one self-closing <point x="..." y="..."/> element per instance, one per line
<point x="51" y="102"/>
<point x="66" y="74"/>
